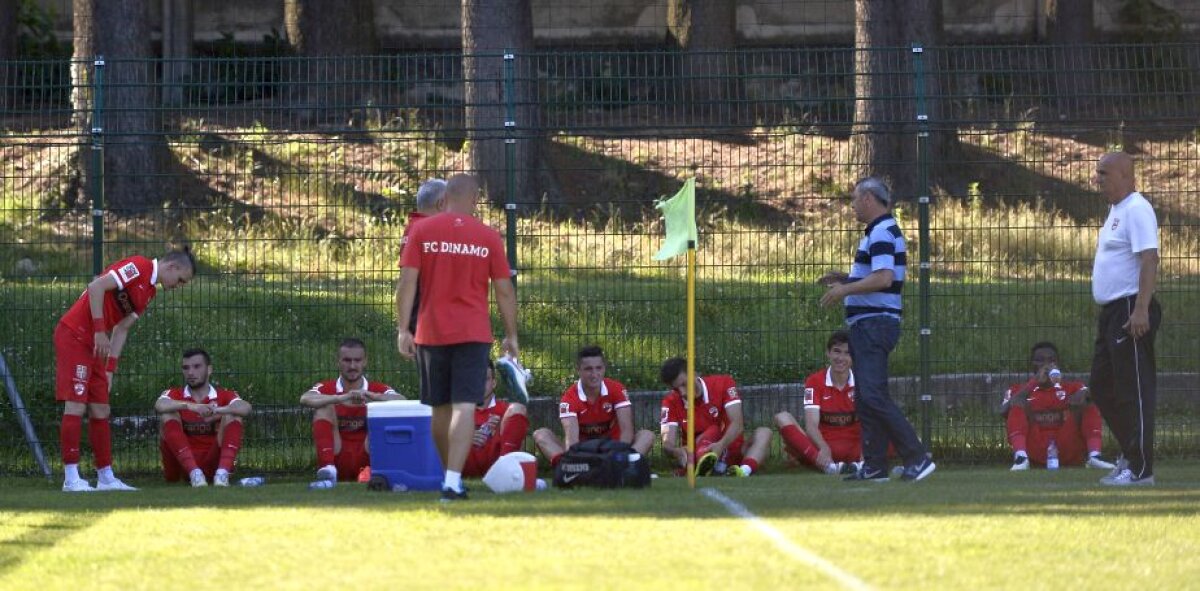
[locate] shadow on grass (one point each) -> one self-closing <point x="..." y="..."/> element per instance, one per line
<point x="42" y="536"/>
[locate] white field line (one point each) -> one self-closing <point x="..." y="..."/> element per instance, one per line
<point x="787" y="546"/>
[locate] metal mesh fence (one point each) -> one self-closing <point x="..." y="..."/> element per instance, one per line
<point x="292" y="179"/>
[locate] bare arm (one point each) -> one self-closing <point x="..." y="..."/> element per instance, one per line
<point x="96" y="290"/>
<point x="166" y="405"/>
<point x="1139" y="320"/>
<point x="671" y="447"/>
<point x="406" y="292"/>
<point x="736" y="426"/>
<point x="380" y="396"/>
<point x="119" y="334"/>
<point x="570" y="427"/>
<point x="876" y="281"/>
<point x="237" y="408"/>
<point x="812" y="428"/>
<point x="314" y="399"/>
<point x="506" y="300"/>
<point x="625" y="423"/>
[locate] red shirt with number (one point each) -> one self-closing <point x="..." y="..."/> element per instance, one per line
<point x="352" y="418"/>
<point x="598" y="416"/>
<point x="136" y="277"/>
<point x="457" y="256"/>
<point x="717" y="393"/>
<point x="201" y="431"/>
<point x="836" y="405"/>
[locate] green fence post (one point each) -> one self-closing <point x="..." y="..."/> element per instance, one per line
<point x="96" y="179"/>
<point x="510" y="161"/>
<point x="918" y="53"/>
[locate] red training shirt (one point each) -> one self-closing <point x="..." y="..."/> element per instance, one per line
<point x="136" y="277"/>
<point x="838" y="417"/>
<point x="200" y="429"/>
<point x="717" y="393"/>
<point x="352" y="418"/>
<point x="597" y="417"/>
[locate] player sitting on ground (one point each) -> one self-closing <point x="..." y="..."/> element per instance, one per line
<point x="594" y="407"/>
<point x="1041" y="411"/>
<point x="200" y="425"/>
<point x="832" y="439"/>
<point x="719" y="424"/>
<point x="340" y="415"/>
<point x="500" y="428"/>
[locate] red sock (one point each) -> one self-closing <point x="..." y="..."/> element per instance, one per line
<point x="512" y="433"/>
<point x="554" y="460"/>
<point x="799" y="444"/>
<point x="231" y="444"/>
<point x="1018" y="426"/>
<point x="100" y="436"/>
<point x="1093" y="428"/>
<point x="753" y="463"/>
<point x="69" y="435"/>
<point x="177" y="443"/>
<point x="323" y="437"/>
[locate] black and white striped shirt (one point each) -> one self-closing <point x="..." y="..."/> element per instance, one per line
<point x="882" y="247"/>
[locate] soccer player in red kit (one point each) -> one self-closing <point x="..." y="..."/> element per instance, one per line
<point x="453" y="257"/>
<point x="339" y="426"/>
<point x="831" y="440"/>
<point x="500" y="428"/>
<point x="591" y="408"/>
<point x="719" y="424"/>
<point x="88" y="341"/>
<point x="200" y="425"/>
<point x="1040" y="411"/>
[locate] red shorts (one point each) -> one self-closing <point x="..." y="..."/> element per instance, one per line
<point x="79" y="376"/>
<point x="205" y="450"/>
<point x="352" y="459"/>
<point x="480" y="459"/>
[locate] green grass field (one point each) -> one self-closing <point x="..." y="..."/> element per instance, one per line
<point x="961" y="529"/>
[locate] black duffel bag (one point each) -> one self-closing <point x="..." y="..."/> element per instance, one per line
<point x="602" y="463"/>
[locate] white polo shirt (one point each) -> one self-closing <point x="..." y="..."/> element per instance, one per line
<point x="1131" y="228"/>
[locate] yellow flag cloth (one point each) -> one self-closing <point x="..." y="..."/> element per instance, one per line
<point x="679" y="213"/>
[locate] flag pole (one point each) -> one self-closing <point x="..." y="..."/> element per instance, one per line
<point x="691" y="362"/>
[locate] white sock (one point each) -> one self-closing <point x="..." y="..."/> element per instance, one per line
<point x="1093" y="454"/>
<point x="72" y="472"/>
<point x="106" y="474"/>
<point x="453" y="481"/>
<point x="747" y="469"/>
<point x="720" y="467"/>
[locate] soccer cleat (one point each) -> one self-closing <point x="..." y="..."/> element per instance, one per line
<point x="327" y="472"/>
<point x="114" y="485"/>
<point x="737" y="472"/>
<point x="1125" y="478"/>
<point x="919" y="471"/>
<point x="834" y="468"/>
<point x="706" y="464"/>
<point x="1020" y="464"/>
<point x="221" y="479"/>
<point x="865" y="474"/>
<point x="1098" y="462"/>
<point x="77" y="485"/>
<point x="364" y="475"/>
<point x="197" y="478"/>
<point x="516" y="378"/>
<point x="450" y="495"/>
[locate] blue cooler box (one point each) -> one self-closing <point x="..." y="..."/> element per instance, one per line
<point x="402" y="449"/>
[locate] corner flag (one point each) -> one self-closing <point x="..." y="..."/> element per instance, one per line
<point x="679" y="212"/>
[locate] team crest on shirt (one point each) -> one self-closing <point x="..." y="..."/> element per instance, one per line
<point x="712" y="410"/>
<point x="809" y="395"/>
<point x="81" y="372"/>
<point x="128" y="272"/>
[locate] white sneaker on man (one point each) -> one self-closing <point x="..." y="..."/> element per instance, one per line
<point x="1119" y="466"/>
<point x="833" y="468"/>
<point x="327" y="472"/>
<point x="221" y="478"/>
<point x="114" y="485"/>
<point x="197" y="478"/>
<point x="1020" y="464"/>
<point x="1125" y="478"/>
<point x="77" y="485"/>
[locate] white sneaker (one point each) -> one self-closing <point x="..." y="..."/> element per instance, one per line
<point x="1097" y="462"/>
<point x="833" y="468"/>
<point x="1125" y="478"/>
<point x="77" y="485"/>
<point x="221" y="478"/>
<point x="1120" y="465"/>
<point x="197" y="477"/>
<point x="327" y="472"/>
<point x="115" y="485"/>
<point x="1020" y="464"/>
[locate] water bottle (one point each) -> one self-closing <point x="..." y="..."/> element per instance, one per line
<point x="1055" y="376"/>
<point x="252" y="481"/>
<point x="1052" y="455"/>
<point x="321" y="484"/>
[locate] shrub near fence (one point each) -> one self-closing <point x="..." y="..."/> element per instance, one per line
<point x="296" y="213"/>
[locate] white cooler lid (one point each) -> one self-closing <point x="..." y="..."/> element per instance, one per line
<point x="398" y="408"/>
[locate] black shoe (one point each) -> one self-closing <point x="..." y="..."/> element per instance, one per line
<point x="919" y="471"/>
<point x="450" y="495"/>
<point x="866" y="474"/>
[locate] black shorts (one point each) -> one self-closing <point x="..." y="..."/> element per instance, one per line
<point x="452" y="373"/>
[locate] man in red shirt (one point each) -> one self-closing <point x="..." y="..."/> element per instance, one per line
<point x="452" y="257"/>
<point x="500" y="428"/>
<point x="87" y="344"/>
<point x="1045" y="409"/>
<point x="593" y="407"/>
<point x="719" y="424"/>
<point x="200" y="425"/>
<point x="429" y="202"/>
<point x="831" y="440"/>
<point x="339" y="426"/>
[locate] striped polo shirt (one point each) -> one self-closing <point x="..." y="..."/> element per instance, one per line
<point x="882" y="247"/>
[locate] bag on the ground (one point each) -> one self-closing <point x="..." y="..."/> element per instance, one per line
<point x="602" y="463"/>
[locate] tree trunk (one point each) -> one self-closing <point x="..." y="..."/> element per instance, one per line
<point x="706" y="32"/>
<point x="178" y="17"/>
<point x="490" y="28"/>
<point x="320" y="29"/>
<point x="135" y="151"/>
<point x="1072" y="68"/>
<point x="8" y="51"/>
<point x="879" y="105"/>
